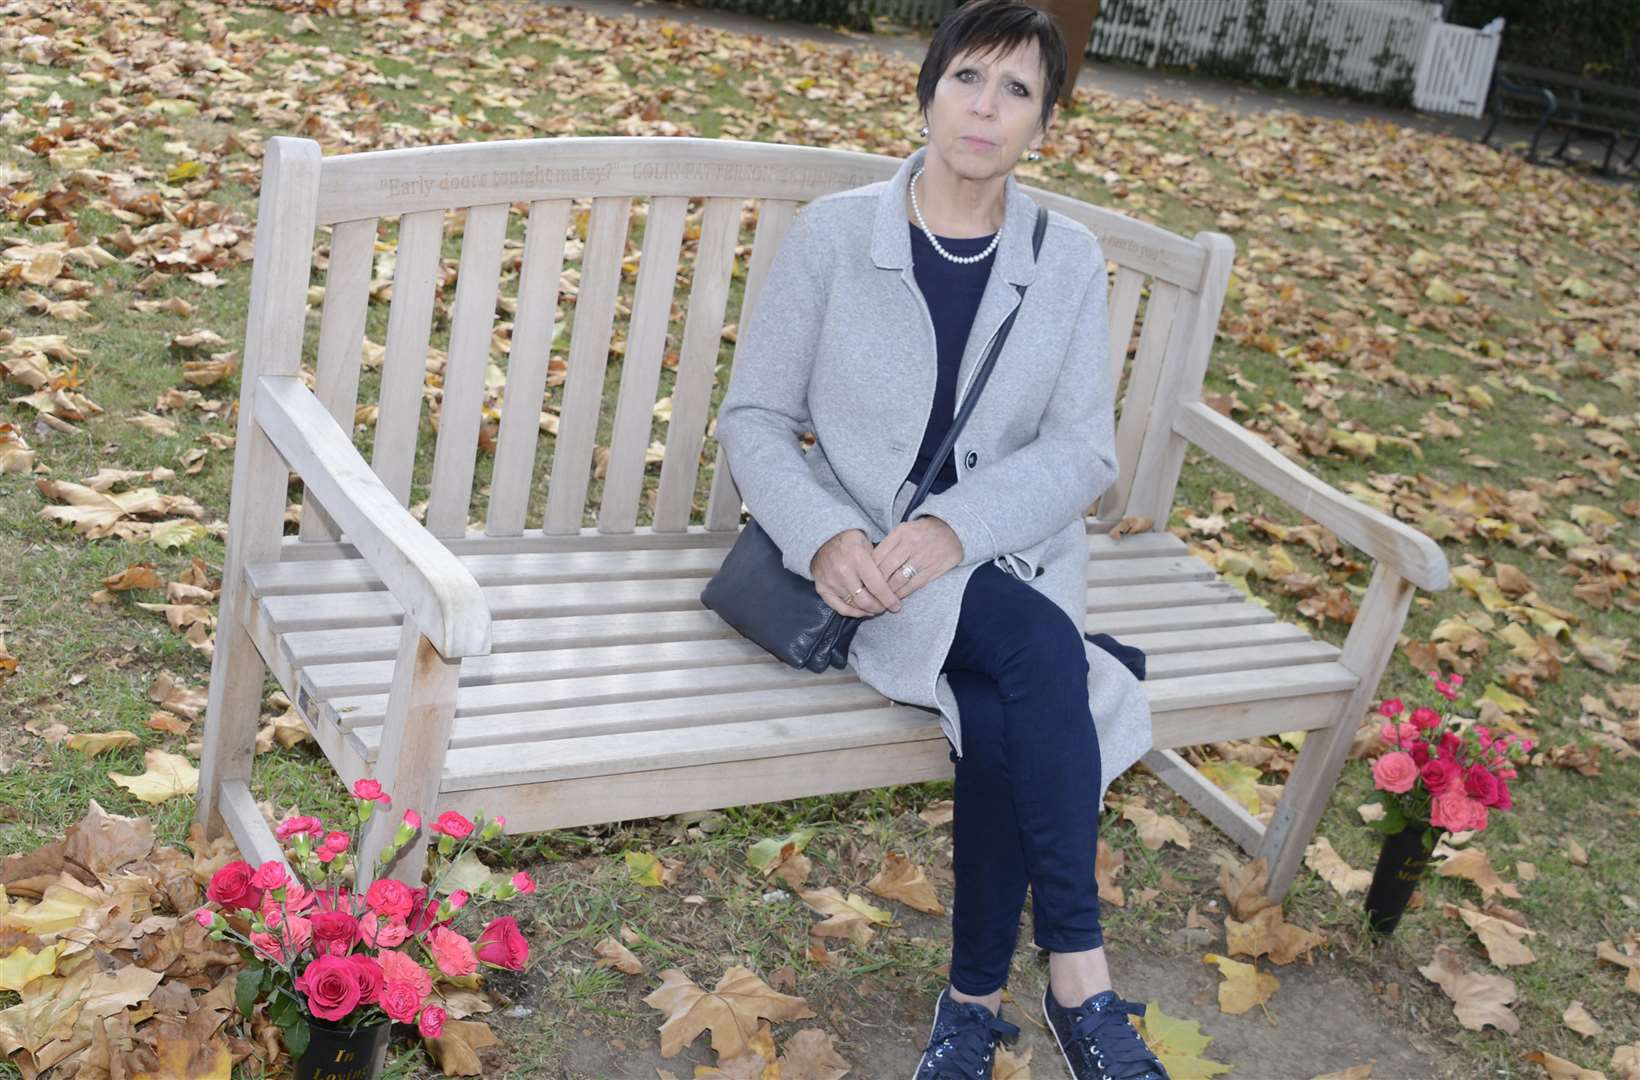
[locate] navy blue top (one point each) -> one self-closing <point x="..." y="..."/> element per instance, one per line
<point x="952" y="291"/>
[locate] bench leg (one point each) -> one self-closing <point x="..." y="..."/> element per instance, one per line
<point x="1367" y="652"/>
<point x="421" y="708"/>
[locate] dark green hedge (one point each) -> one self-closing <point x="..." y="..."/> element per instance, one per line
<point x="1598" y="39"/>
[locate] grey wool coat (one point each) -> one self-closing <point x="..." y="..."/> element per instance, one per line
<point x="839" y="342"/>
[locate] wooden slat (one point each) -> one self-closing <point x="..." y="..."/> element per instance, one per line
<point x="697" y="363"/>
<point x="404" y="365"/>
<point x="348" y="643"/>
<point x="355" y="575"/>
<point x="594" y="755"/>
<point x="325" y="681"/>
<point x="1122" y="308"/>
<point x="588" y="359"/>
<point x="627" y="796"/>
<point x="1212" y="801"/>
<point x="472" y="321"/>
<point x="681" y="594"/>
<point x="641" y="366"/>
<point x="356" y="711"/>
<point x="774" y="217"/>
<point x="1148" y="364"/>
<point x="341" y="341"/>
<point x="534" y="328"/>
<point x="1100" y="545"/>
<point x="250" y="830"/>
<point x="497" y="729"/>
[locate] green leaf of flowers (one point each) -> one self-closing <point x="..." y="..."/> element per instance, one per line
<point x="247" y="987"/>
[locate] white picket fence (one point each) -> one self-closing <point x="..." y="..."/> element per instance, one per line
<point x="1368" y="45"/>
<point x="1399" y="48"/>
<point x="1455" y="70"/>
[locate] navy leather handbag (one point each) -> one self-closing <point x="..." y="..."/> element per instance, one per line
<point x="782" y="611"/>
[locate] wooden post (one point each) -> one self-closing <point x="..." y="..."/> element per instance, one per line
<point x="1075" y="19"/>
<point x="421" y="707"/>
<point x="286" y="219"/>
<point x="1367" y="652"/>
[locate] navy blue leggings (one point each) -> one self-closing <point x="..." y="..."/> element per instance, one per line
<point x="1027" y="786"/>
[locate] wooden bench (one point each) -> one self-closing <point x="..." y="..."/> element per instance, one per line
<point x="559" y="668"/>
<point x="1575" y="106"/>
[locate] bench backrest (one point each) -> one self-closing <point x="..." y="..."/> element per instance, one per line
<point x="698" y="199"/>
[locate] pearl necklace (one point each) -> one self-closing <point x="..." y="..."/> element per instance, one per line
<point x="992" y="246"/>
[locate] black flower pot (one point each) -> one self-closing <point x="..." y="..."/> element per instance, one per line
<point x="1402" y="862"/>
<point x="335" y="1053"/>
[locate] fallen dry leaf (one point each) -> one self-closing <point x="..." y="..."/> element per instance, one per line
<point x="1473" y="865"/>
<point x="612" y="953"/>
<point x="1559" y="1068"/>
<point x="1577" y="1018"/>
<point x="1244" y="986"/>
<point x="1156" y="829"/>
<point x="456" y="1049"/>
<point x="1343" y="877"/>
<point x="1477" y="999"/>
<point x="168" y="776"/>
<point x="730" y="1010"/>
<point x="810" y="1055"/>
<point x="903" y="880"/>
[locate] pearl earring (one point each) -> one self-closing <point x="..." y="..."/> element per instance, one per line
<point x="924" y="131"/>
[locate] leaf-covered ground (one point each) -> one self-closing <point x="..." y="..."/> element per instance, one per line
<point x="1443" y="331"/>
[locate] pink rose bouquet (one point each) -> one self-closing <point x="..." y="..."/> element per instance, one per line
<point x="1441" y="774"/>
<point x="320" y="949"/>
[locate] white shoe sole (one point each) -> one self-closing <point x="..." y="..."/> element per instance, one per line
<point x="924" y="1059"/>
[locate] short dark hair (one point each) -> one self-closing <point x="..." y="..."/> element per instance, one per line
<point x="987" y="26"/>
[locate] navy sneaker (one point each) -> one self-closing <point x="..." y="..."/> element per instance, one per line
<point x="962" y="1042"/>
<point x="1098" y="1041"/>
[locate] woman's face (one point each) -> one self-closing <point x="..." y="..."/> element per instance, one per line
<point x="986" y="111"/>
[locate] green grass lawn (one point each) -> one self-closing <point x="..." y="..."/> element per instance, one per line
<point x="1479" y="316"/>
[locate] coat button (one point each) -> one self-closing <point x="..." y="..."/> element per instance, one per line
<point x="972" y="459"/>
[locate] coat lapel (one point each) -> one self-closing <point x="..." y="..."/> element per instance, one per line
<point x="1014" y="265"/>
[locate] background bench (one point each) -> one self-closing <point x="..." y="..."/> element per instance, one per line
<point x="550" y="659"/>
<point x="1577" y="107"/>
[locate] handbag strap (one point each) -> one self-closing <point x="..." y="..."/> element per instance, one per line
<point x="950" y="443"/>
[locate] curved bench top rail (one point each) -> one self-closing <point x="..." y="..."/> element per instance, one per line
<point x="381" y="183"/>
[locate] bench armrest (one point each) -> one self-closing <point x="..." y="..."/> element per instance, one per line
<point x="437" y="593"/>
<point x="1402" y="548"/>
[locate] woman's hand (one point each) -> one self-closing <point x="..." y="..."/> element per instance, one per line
<point x="842" y="566"/>
<point x="928" y="544"/>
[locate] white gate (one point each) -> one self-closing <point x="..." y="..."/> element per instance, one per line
<point x="1455" y="68"/>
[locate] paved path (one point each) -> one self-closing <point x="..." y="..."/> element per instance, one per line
<point x="1127" y="80"/>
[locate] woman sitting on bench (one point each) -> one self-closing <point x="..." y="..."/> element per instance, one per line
<point x="878" y="306"/>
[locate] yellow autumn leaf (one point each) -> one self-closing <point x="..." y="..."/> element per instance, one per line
<point x="1179" y="1043"/>
<point x="1239" y="781"/>
<point x="643" y="868"/>
<point x="23" y="965"/>
<point x="92" y="743"/>
<point x="1442" y="293"/>
<point x="59" y="909"/>
<point x="1244" y="986"/>
<point x="168" y="776"/>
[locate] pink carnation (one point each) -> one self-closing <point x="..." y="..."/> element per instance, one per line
<point x="293" y="826"/>
<point x="1457" y="812"/>
<point x="270" y="875"/>
<point x="369" y="973"/>
<point x="1395" y="772"/>
<point x="1391" y="708"/>
<point x="1424" y="718"/>
<point x="523" y="883"/>
<point x="397" y="967"/>
<point x="381" y="933"/>
<point x="453" y="825"/>
<point x="372" y="790"/>
<point x="1479" y="784"/>
<point x="389" y="897"/>
<point x="451" y="952"/>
